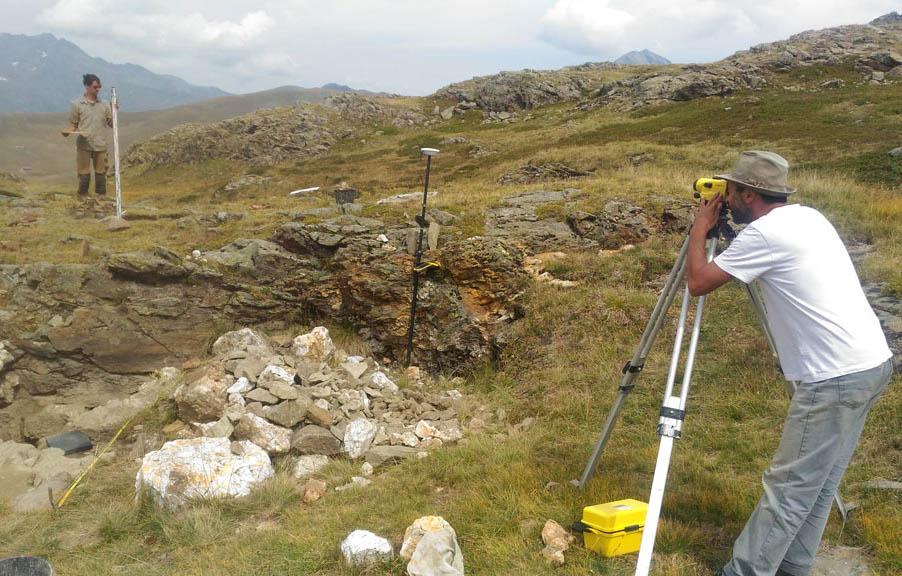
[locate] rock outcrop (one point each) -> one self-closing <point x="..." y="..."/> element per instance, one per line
<point x="272" y="135"/>
<point x="96" y="333"/>
<point x="868" y="48"/>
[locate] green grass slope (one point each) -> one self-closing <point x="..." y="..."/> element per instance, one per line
<point x="562" y="367"/>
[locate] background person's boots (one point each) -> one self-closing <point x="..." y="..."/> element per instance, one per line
<point x="84" y="184"/>
<point x="100" y="184"/>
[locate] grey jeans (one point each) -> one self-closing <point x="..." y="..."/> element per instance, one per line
<point x="819" y="436"/>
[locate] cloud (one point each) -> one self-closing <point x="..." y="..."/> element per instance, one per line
<point x="705" y="29"/>
<point x="162" y="28"/>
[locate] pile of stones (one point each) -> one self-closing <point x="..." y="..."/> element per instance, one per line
<point x="311" y="402"/>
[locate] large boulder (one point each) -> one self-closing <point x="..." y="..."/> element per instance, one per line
<point x="199" y="468"/>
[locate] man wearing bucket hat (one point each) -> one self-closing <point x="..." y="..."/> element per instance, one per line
<point x="828" y="339"/>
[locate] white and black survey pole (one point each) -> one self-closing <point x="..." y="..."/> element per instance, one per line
<point x="418" y="255"/>
<point x="114" y="104"/>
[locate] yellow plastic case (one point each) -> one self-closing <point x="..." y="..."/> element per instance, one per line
<point x="614" y="528"/>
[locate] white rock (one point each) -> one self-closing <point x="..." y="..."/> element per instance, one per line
<point x="425" y="429"/>
<point x="383" y="382"/>
<point x="273" y="374"/>
<point x="353" y="400"/>
<point x="363" y="548"/>
<point x="195" y="254"/>
<point x="309" y="465"/>
<point x="405" y="438"/>
<point x="355" y="369"/>
<point x="236" y="400"/>
<point x="322" y="403"/>
<point x="359" y="436"/>
<point x="382" y="238"/>
<point x="183" y="470"/>
<point x="274" y="439"/>
<point x="314" y="346"/>
<point x="367" y="469"/>
<point x="454" y="394"/>
<point x="244" y="343"/>
<point x="241" y="386"/>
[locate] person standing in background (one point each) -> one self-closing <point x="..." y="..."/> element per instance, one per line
<point x="89" y="119"/>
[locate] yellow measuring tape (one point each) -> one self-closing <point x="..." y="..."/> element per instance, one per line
<point x="84" y="473"/>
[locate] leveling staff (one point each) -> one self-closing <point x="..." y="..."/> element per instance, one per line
<point x="828" y="340"/>
<point x="89" y="118"/>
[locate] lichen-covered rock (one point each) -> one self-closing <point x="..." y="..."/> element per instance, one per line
<point x="199" y="468"/>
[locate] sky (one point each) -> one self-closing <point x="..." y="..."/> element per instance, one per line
<point x="411" y="47"/>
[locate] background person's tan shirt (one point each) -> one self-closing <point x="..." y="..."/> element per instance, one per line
<point x="91" y="119"/>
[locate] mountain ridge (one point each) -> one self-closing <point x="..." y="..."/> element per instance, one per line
<point x="42" y="73"/>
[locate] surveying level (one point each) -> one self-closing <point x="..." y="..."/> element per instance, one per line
<point x="673" y="408"/>
<point x="709" y="188"/>
<point x="418" y="265"/>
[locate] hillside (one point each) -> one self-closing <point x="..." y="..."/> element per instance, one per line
<point x="43" y="74"/>
<point x="32" y="142"/>
<point x="559" y="202"/>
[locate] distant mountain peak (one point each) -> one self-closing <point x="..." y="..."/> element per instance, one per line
<point x="42" y="73"/>
<point x="645" y="56"/>
<point x="337" y="87"/>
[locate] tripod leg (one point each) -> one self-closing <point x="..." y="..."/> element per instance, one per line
<point x="670" y="425"/>
<point x="632" y="368"/>
<point x="761" y="312"/>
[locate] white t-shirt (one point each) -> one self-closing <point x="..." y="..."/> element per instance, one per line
<point x="821" y="321"/>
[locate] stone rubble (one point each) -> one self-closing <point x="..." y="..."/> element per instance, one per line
<point x="309" y="399"/>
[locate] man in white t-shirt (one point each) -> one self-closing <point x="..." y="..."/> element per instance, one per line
<point x="828" y="340"/>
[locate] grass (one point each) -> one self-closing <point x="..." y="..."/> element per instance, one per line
<point x="562" y="365"/>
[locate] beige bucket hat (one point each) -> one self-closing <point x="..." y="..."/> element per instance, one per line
<point x="764" y="172"/>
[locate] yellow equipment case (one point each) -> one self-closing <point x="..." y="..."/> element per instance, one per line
<point x="614" y="528"/>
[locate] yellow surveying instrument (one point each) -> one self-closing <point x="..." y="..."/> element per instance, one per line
<point x="709" y="188"/>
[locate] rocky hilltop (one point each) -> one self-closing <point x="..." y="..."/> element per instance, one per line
<point x="873" y="49"/>
<point x="273" y="135"/>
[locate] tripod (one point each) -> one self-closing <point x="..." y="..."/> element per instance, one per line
<point x="673" y="409"/>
